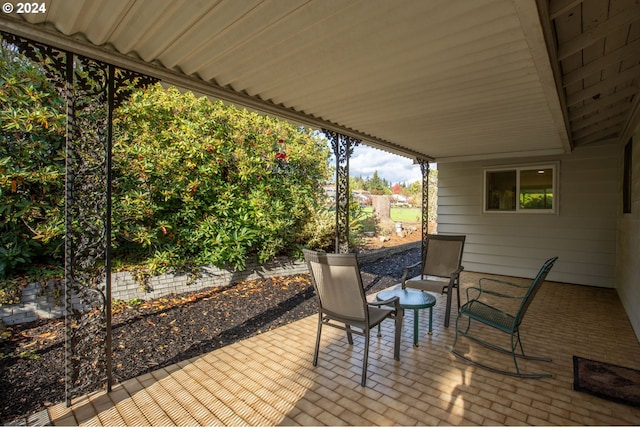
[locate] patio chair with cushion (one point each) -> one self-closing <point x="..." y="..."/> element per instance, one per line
<point x="500" y="305"/>
<point x="343" y="305"/>
<point x="441" y="268"/>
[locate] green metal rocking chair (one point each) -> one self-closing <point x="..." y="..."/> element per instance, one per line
<point x="487" y="313"/>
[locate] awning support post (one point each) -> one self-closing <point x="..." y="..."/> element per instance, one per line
<point x="424" y="168"/>
<point x="92" y="90"/>
<point x="342" y="146"/>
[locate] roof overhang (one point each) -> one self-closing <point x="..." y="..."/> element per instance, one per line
<point x="439" y="80"/>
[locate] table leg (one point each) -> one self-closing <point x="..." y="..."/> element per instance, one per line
<point x="415" y="328"/>
<point x="430" y="320"/>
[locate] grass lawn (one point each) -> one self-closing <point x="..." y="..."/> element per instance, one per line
<point x="401" y="214"/>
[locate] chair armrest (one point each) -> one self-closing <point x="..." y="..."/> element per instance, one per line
<point x="394" y="300"/>
<point x="456" y="273"/>
<point x="500" y="282"/>
<point x="406" y="270"/>
<point x="483" y="290"/>
<point x="493" y="293"/>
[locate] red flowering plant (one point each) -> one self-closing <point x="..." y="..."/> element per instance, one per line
<point x="280" y="165"/>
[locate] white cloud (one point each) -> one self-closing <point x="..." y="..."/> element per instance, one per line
<point x="395" y="169"/>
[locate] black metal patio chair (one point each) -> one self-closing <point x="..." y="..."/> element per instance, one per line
<point x="484" y="308"/>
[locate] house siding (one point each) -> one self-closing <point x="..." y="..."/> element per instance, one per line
<point x="628" y="267"/>
<point x="582" y="234"/>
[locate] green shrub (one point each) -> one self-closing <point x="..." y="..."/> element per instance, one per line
<point x="320" y="231"/>
<point x="195" y="182"/>
<point x="32" y="141"/>
<point x="206" y="184"/>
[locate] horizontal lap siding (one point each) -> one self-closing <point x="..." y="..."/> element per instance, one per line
<point x="629" y="247"/>
<point x="583" y="234"/>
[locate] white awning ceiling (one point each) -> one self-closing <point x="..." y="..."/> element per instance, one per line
<point x="441" y="79"/>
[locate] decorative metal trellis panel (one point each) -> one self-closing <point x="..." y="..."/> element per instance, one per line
<point x="424" y="168"/>
<point x="93" y="90"/>
<point x="342" y="146"/>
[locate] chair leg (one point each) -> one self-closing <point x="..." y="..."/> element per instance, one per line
<point x="315" y="354"/>
<point x="447" y="313"/>
<point x="514" y="344"/>
<point x="398" y="331"/>
<point x="458" y="331"/>
<point x="365" y="359"/>
<point x="466" y="330"/>
<point x="349" y="334"/>
<point x="526" y="356"/>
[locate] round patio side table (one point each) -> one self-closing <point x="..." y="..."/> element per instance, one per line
<point x="412" y="299"/>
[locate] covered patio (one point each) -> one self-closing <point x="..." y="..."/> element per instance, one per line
<point x="493" y="82"/>
<point x="269" y="379"/>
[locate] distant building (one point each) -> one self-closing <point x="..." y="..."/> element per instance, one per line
<point x="360" y="196"/>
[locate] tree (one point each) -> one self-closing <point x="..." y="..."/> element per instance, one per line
<point x="377" y="185"/>
<point x="415" y="192"/>
<point x="356" y="183"/>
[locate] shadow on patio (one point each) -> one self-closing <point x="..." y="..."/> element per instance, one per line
<point x="269" y="379"/>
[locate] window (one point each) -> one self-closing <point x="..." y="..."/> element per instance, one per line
<point x="530" y="189"/>
<point x="627" y="178"/>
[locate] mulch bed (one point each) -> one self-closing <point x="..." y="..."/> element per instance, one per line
<point x="164" y="331"/>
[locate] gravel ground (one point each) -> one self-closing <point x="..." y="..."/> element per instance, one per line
<point x="161" y="332"/>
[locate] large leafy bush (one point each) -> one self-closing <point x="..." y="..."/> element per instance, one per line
<point x="195" y="182"/>
<point x="32" y="140"/>
<point x="203" y="183"/>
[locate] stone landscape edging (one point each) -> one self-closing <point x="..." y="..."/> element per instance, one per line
<point x="40" y="302"/>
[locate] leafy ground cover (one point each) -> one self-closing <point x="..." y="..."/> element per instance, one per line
<point x="158" y="333"/>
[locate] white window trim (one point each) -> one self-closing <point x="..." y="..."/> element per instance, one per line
<point x="554" y="166"/>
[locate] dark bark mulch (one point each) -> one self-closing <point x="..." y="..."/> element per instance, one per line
<point x="164" y="331"/>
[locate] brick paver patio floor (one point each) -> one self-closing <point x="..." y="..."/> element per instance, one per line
<point x="269" y="379"/>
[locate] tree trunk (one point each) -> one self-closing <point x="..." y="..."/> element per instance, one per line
<point x="381" y="208"/>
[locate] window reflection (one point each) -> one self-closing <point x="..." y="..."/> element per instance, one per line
<point x="536" y="189"/>
<point x="501" y="191"/>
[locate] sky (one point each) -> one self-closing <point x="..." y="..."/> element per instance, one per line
<point x="395" y="169"/>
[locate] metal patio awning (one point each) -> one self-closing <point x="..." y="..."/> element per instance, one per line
<point x="436" y="79"/>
